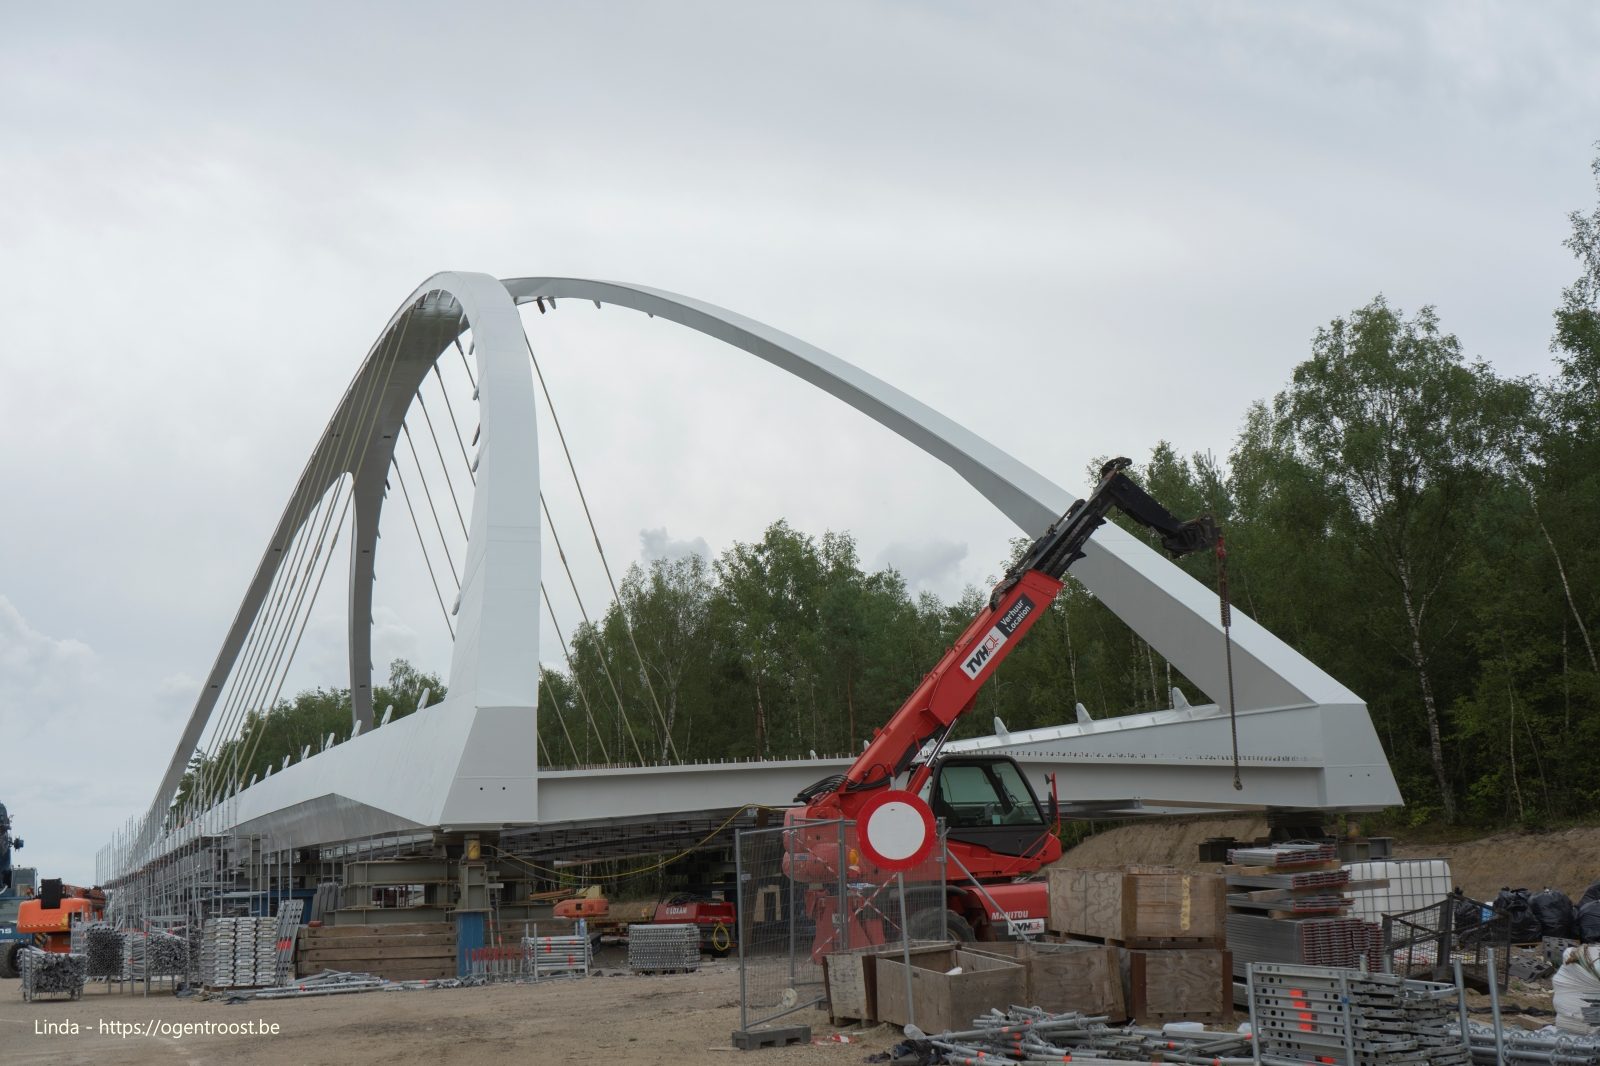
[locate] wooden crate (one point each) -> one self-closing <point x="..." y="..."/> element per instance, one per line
<point x="1140" y="906"/>
<point x="402" y="952"/>
<point x="850" y="979"/>
<point x="1185" y="985"/>
<point x="1067" y="975"/>
<point x="946" y="1001"/>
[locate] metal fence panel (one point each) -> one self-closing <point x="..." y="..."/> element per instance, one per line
<point x="805" y="892"/>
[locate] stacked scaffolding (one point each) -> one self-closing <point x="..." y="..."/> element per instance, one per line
<point x="51" y="973"/>
<point x="1306" y="1014"/>
<point x="1288" y="903"/>
<point x="663" y="948"/>
<point x="239" y="953"/>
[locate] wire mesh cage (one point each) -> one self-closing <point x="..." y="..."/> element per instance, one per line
<point x="806" y="892"/>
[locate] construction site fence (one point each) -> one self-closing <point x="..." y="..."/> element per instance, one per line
<point x="806" y="891"/>
<point x="1426" y="942"/>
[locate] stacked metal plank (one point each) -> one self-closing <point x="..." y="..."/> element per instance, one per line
<point x="52" y="973"/>
<point x="1305" y="1014"/>
<point x="558" y="956"/>
<point x="288" y="928"/>
<point x="1287" y="904"/>
<point x="239" y="953"/>
<point x="657" y="948"/>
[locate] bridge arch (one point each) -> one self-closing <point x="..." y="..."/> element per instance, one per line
<point x="482" y="768"/>
<point x="494" y="660"/>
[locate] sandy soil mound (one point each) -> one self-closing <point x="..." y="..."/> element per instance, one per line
<point x="1567" y="859"/>
<point x="1167" y="842"/>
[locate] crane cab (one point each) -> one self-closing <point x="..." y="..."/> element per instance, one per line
<point x="986" y="800"/>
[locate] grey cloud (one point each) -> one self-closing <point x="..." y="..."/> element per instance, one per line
<point x="42" y="678"/>
<point x="656" y="544"/>
<point x="926" y="564"/>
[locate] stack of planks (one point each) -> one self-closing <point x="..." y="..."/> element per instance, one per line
<point x="1169" y="928"/>
<point x="1290" y="904"/>
<point x="401" y="952"/>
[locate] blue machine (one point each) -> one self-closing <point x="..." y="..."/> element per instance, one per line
<point x="17" y="883"/>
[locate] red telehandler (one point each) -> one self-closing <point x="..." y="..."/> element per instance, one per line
<point x="995" y="826"/>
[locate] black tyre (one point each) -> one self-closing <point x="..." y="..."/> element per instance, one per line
<point x="8" y="959"/>
<point x="941" y="925"/>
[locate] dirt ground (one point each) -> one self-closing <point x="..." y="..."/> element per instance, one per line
<point x="615" y="1019"/>
<point x="1567" y="859"/>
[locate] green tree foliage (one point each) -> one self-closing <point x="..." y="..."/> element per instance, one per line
<point x="1390" y="426"/>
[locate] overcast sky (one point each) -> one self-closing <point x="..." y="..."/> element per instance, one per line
<point x="1076" y="228"/>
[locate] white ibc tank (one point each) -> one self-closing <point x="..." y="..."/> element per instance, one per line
<point x="1412" y="883"/>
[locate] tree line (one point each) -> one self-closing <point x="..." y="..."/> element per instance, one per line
<point x="1419" y="526"/>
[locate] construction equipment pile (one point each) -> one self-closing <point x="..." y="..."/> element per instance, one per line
<point x="106" y="950"/>
<point x="155" y="953"/>
<point x="663" y="948"/>
<point x="239" y="953"/>
<point x="558" y="956"/>
<point x="1521" y="1046"/>
<point x="1024" y="1034"/>
<point x="52" y="973"/>
<point x="1288" y="903"/>
<point x="1306" y="1014"/>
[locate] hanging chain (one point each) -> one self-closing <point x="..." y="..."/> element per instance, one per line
<point x="1227" y="645"/>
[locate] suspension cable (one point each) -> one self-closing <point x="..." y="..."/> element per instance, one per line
<point x="577" y="760"/>
<point x="427" y="492"/>
<point x="600" y="651"/>
<point x="583" y="697"/>
<point x="365" y="440"/>
<point x="305" y="621"/>
<point x="242" y="678"/>
<point x="644" y="671"/>
<point x="258" y="674"/>
<point x="279" y="664"/>
<point x="246" y="677"/>
<point x="406" y="494"/>
<point x="358" y="413"/>
<point x="1227" y="647"/>
<point x="450" y="407"/>
<point x="442" y="464"/>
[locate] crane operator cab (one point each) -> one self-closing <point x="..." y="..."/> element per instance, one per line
<point x="986" y="800"/>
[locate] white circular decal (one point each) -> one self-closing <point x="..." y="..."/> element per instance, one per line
<point x="896" y="830"/>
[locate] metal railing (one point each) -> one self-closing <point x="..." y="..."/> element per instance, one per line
<point x="805" y="892"/>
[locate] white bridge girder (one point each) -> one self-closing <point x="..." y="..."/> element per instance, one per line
<point x="471" y="762"/>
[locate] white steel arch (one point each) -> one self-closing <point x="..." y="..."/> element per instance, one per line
<point x="472" y="761"/>
<point x="494" y="664"/>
